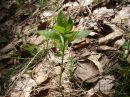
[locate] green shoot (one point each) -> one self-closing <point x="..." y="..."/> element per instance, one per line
<point x="62" y="35"/>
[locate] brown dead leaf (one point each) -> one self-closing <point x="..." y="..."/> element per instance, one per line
<point x="113" y="37"/>
<point x="110" y="37"/>
<point x="103" y="60"/>
<point x="87" y="71"/>
<point x="80" y="43"/>
<point x="23" y="87"/>
<point x="106" y="48"/>
<point x="122" y="15"/>
<point x="39" y="74"/>
<point x="104" y="85"/>
<point x="95" y="59"/>
<point x="90" y="65"/>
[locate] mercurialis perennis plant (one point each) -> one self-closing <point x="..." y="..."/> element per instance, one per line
<point x="62" y="35"/>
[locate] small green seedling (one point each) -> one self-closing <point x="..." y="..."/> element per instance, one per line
<point x="62" y="34"/>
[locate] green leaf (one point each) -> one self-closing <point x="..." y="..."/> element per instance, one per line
<point x="55" y="36"/>
<point x="69" y="25"/>
<point x="126" y="45"/>
<point x="71" y="36"/>
<point x="59" y="29"/>
<point x="82" y="34"/>
<point x="45" y="33"/>
<point x="49" y="34"/>
<point x="61" y="47"/>
<point x="62" y="40"/>
<point x="61" y="19"/>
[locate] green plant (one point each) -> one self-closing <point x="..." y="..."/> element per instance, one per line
<point x="62" y="35"/>
<point x="122" y="72"/>
<point x="123" y="54"/>
<point x="71" y="68"/>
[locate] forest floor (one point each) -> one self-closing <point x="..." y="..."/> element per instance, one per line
<point x="95" y="66"/>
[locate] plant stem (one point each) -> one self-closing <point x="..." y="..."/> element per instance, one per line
<point x="61" y="72"/>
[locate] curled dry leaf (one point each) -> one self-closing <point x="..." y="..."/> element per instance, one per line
<point x="94" y="58"/>
<point x="106" y="48"/>
<point x="87" y="72"/>
<point x="104" y="85"/>
<point x="117" y="32"/>
<point x="90" y="66"/>
<point x="80" y="43"/>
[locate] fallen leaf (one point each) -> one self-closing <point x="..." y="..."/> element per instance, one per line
<point x="80" y="43"/>
<point x="95" y="59"/>
<point x="104" y="85"/>
<point x="86" y="72"/>
<point x="110" y="37"/>
<point x="38" y="75"/>
<point x="121" y="15"/>
<point x="106" y="48"/>
<point x="23" y="88"/>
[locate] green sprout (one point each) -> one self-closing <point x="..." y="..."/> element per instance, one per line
<point x="62" y="35"/>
